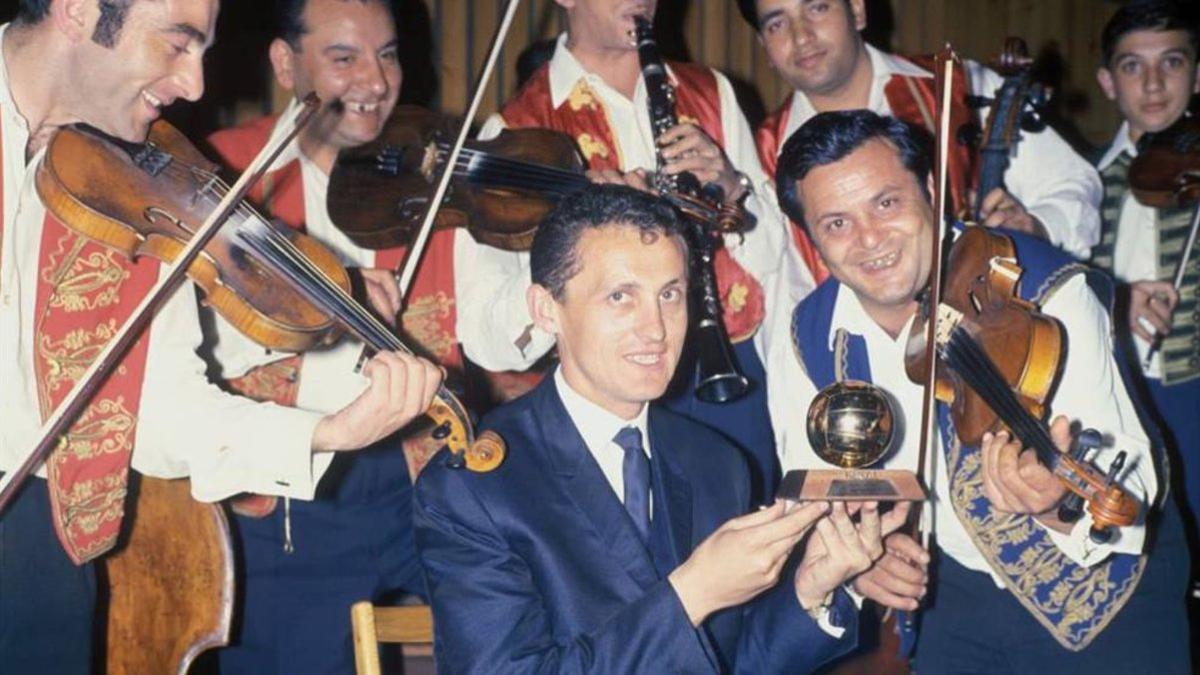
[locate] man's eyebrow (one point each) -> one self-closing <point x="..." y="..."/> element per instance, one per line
<point x="392" y="44"/>
<point x="339" y="47"/>
<point x="191" y="31"/>
<point x="762" y="20"/>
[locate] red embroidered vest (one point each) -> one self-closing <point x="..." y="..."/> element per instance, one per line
<point x="911" y="99"/>
<point x="428" y="320"/>
<point x="85" y="294"/>
<point x="583" y="117"/>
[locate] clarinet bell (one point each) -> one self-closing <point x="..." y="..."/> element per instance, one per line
<point x="719" y="380"/>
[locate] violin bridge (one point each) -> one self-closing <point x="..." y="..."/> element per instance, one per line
<point x="947" y="321"/>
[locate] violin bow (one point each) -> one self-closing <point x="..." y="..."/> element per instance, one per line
<point x="417" y="249"/>
<point x="926" y="457"/>
<point x="56" y="425"/>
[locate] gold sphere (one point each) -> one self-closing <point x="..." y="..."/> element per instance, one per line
<point x="851" y="424"/>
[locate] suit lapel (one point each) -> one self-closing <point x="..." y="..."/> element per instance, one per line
<point x="671" y="487"/>
<point x="586" y="486"/>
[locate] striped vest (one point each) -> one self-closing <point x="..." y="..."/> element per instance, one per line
<point x="1181" y="348"/>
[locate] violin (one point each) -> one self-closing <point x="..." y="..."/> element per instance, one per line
<point x="999" y="361"/>
<point x="1166" y="174"/>
<point x="1013" y="109"/>
<point x="500" y="190"/>
<point x="146" y="199"/>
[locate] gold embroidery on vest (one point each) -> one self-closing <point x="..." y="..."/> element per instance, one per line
<point x="591" y="147"/>
<point x="581" y="96"/>
<point x="67" y="359"/>
<point x="735" y="300"/>
<point x="422" y="321"/>
<point x="90" y="282"/>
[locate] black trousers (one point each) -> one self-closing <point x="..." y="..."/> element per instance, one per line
<point x="47" y="604"/>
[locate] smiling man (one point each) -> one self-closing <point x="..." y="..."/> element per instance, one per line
<point x="816" y="46"/>
<point x="611" y="540"/>
<point x="1013" y="589"/>
<point x="307" y="562"/>
<point x="1150" y="71"/>
<point x="114" y="64"/>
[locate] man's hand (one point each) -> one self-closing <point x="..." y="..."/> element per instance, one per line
<point x="383" y="292"/>
<point x="401" y="388"/>
<point x="685" y="147"/>
<point x="637" y="179"/>
<point x="842" y="549"/>
<point x="1151" y="304"/>
<point x="1001" y="209"/>
<point x="741" y="559"/>
<point x="900" y="578"/>
<point x="1016" y="482"/>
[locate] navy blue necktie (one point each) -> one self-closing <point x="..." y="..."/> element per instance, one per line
<point x="636" y="472"/>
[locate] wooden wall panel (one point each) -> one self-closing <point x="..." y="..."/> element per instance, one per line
<point x="1064" y="34"/>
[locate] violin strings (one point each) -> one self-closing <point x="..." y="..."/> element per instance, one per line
<point x="279" y="252"/>
<point x="476" y="163"/>
<point x="510" y="164"/>
<point x="966" y="357"/>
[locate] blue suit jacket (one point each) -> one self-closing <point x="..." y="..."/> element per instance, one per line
<point x="536" y="567"/>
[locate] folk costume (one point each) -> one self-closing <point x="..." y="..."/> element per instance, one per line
<point x="613" y="132"/>
<point x="62" y="297"/>
<point x="1054" y="183"/>
<point x="1067" y="602"/>
<point x="307" y="562"/>
<point x="1140" y="242"/>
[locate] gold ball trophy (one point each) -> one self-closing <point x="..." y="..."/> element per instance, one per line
<point x="851" y="425"/>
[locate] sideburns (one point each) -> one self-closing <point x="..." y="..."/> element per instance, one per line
<point x="112" y="19"/>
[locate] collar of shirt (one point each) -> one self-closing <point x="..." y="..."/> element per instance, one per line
<point x="596" y="425"/>
<point x="566" y="70"/>
<point x="883" y="67"/>
<point x="849" y="314"/>
<point x="1121" y="143"/>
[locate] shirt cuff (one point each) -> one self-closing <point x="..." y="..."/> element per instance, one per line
<point x="1079" y="547"/>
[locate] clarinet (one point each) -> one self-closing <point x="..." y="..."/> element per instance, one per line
<point x="707" y="216"/>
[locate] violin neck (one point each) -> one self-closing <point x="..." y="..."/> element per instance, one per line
<point x="488" y="170"/>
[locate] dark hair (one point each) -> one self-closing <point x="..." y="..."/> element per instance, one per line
<point x="289" y="19"/>
<point x="749" y="10"/>
<point x="108" y="26"/>
<point x="831" y="136"/>
<point x="1153" y="15"/>
<point x="553" y="257"/>
<point x="33" y="11"/>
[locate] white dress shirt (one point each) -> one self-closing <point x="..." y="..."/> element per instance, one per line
<point x="599" y="428"/>
<point x="1055" y="184"/>
<point x="186" y="427"/>
<point x="495" y="328"/>
<point x="1090" y="392"/>
<point x="1135" y="252"/>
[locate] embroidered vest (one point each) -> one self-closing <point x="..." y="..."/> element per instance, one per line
<point x="1181" y="348"/>
<point x="583" y="117"/>
<point x="911" y="99"/>
<point x="85" y="294"/>
<point x="1074" y="603"/>
<point x="428" y="320"/>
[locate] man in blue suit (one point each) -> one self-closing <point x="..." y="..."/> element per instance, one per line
<point x="609" y="541"/>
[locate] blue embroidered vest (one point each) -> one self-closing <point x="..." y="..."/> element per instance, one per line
<point x="1073" y="602"/>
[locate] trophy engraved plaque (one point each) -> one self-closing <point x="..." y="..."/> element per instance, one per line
<point x="851" y="425"/>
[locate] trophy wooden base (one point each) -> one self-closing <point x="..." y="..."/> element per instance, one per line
<point x="842" y="485"/>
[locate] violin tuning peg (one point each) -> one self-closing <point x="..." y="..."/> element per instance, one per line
<point x="1031" y="122"/>
<point x="1100" y="535"/>
<point x="713" y="193"/>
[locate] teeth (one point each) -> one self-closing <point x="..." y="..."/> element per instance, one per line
<point x="882" y="261"/>
<point x="364" y="107"/>
<point x="152" y="99"/>
<point x="645" y="359"/>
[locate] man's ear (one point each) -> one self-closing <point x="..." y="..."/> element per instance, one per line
<point x="283" y="63"/>
<point x="858" y="13"/>
<point x="543" y="308"/>
<point x="1196" y="84"/>
<point x="71" y="18"/>
<point x="1105" y="79"/>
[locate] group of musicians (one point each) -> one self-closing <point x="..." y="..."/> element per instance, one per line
<point x="632" y="527"/>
